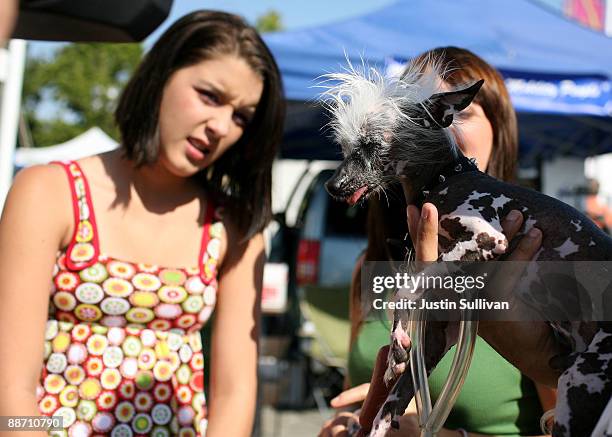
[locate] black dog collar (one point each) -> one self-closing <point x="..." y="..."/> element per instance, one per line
<point x="460" y="165"/>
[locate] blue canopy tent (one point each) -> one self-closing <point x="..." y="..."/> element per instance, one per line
<point x="558" y="73"/>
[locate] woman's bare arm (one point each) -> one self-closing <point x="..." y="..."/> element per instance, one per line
<point x="34" y="222"/>
<point x="235" y="335"/>
<point x="8" y="16"/>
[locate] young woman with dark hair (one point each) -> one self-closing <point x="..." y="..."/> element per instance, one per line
<point x="121" y="352"/>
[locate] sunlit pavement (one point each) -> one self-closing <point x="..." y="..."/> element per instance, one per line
<point x="290" y="423"/>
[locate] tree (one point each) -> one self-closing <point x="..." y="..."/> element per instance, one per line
<point x="81" y="83"/>
<point x="271" y="21"/>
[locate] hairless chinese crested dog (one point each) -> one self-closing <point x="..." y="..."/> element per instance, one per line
<point x="392" y="128"/>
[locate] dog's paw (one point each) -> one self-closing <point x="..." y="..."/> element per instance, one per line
<point x="398" y="354"/>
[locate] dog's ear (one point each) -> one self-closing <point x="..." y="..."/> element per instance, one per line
<point x="438" y="110"/>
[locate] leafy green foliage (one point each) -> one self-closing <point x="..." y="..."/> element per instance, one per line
<point x="271" y="21"/>
<point x="82" y="83"/>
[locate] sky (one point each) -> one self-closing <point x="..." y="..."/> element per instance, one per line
<point x="295" y="14"/>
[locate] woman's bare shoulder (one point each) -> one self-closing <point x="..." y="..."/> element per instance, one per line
<point x="95" y="162"/>
<point x="96" y="166"/>
<point x="43" y="190"/>
<point x="45" y="180"/>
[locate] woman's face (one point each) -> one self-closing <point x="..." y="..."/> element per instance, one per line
<point x="204" y="110"/>
<point x="476" y="135"/>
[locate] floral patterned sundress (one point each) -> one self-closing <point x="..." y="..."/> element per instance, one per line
<point x="123" y="353"/>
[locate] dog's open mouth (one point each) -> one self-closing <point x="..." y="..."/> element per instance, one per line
<point x="354" y="198"/>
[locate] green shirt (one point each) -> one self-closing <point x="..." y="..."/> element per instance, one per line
<point x="495" y="399"/>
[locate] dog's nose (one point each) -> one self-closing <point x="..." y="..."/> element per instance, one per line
<point x="336" y="184"/>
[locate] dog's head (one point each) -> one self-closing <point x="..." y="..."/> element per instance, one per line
<point x="390" y="127"/>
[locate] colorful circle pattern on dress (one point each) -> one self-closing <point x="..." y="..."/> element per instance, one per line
<point x="117" y="294"/>
<point x="141" y="379"/>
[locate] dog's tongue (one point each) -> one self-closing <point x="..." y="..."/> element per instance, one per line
<point x="356" y="196"/>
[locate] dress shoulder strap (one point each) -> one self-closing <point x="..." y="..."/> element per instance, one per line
<point x="84" y="247"/>
<point x="211" y="243"/>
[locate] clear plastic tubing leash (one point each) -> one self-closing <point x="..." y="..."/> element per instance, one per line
<point x="431" y="419"/>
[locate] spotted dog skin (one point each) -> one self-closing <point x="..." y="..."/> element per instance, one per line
<point x="471" y="206"/>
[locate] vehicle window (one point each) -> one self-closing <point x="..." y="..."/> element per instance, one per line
<point x="315" y="209"/>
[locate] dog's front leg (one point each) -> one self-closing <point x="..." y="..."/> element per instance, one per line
<point x="400" y="345"/>
<point x="394" y="406"/>
<point x="439" y="337"/>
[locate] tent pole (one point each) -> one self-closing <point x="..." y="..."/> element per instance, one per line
<point x="608" y="19"/>
<point x="9" y="112"/>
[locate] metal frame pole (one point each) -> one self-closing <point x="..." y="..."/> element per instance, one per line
<point x="10" y="105"/>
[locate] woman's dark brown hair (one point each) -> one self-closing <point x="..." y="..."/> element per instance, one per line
<point x="243" y="175"/>
<point x="464" y="67"/>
